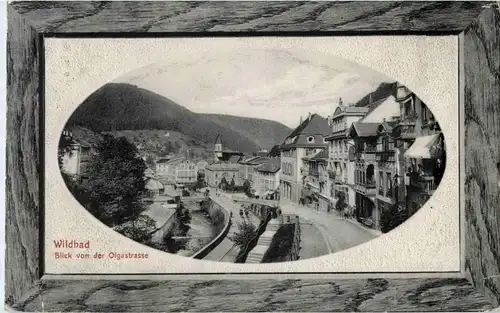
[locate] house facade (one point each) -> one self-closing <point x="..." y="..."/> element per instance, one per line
<point x="375" y="159"/>
<point x="186" y="172"/>
<point x="266" y="178"/>
<point x="214" y="174"/>
<point x="306" y="140"/>
<point x="316" y="185"/>
<point x="421" y="138"/>
<point x="399" y="159"/>
<point x="247" y="169"/>
<point x="340" y="157"/>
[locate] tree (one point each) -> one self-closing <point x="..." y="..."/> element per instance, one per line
<point x="150" y="160"/>
<point x="184" y="219"/>
<point x="341" y="203"/>
<point x="115" y="181"/>
<point x="139" y="229"/>
<point x="200" y="181"/>
<point x="392" y="218"/>
<point x="246" y="187"/>
<point x="223" y="183"/>
<point x="185" y="193"/>
<point x="275" y="151"/>
<point x="232" y="185"/>
<point x="245" y="234"/>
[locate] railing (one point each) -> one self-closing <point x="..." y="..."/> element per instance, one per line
<point x="425" y="184"/>
<point x="368" y="188"/>
<point x="293" y="219"/>
<point x="386" y="156"/>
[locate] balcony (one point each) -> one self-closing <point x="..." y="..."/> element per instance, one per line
<point x="332" y="173"/>
<point x="424" y="184"/>
<point x="368" y="188"/>
<point x="386" y="156"/>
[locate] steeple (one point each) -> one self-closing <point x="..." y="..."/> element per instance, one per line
<point x="218" y="147"/>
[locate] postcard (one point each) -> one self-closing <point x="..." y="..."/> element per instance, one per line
<point x="251" y="155"/>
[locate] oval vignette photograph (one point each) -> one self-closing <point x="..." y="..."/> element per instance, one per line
<point x="255" y="156"/>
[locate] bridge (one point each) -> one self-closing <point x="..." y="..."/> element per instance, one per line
<point x="271" y="203"/>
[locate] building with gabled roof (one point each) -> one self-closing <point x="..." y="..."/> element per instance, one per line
<point x="307" y="139"/>
<point x="266" y="181"/>
<point x="340" y="167"/>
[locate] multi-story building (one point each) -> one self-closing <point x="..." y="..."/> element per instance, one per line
<point x="421" y="138"/>
<point x="307" y="139"/>
<point x="340" y="165"/>
<point x="266" y="181"/>
<point x="214" y="174"/>
<point x="316" y="185"/>
<point x="247" y="169"/>
<point x="186" y="172"/>
<point x="399" y="160"/>
<point x="375" y="166"/>
<point x="166" y="169"/>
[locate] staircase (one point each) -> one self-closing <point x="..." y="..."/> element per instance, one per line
<point x="257" y="253"/>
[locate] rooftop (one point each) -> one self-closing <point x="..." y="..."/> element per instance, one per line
<point x="223" y="167"/>
<point x="271" y="165"/>
<point x="315" y="125"/>
<point x="361" y="129"/>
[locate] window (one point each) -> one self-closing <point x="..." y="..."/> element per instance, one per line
<point x="381" y="180"/>
<point x="310" y="139"/>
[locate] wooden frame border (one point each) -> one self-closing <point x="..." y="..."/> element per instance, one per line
<point x="476" y="23"/>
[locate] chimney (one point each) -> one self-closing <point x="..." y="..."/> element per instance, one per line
<point x="329" y="119"/>
<point x="301" y="119"/>
<point x="309" y="116"/>
<point x="370" y="100"/>
<point x="341" y="103"/>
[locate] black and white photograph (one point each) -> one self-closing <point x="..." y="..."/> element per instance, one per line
<point x="252" y="156"/>
<point x="241" y="158"/>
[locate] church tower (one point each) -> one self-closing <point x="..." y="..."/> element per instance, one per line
<point x="218" y="147"/>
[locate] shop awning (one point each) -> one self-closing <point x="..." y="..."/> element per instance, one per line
<point x="421" y="148"/>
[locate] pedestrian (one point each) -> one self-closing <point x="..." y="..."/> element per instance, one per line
<point x="241" y="213"/>
<point x="246" y="213"/>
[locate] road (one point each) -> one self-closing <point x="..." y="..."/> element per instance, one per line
<point x="225" y="251"/>
<point x="339" y="233"/>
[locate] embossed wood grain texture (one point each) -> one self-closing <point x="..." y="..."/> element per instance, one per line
<point x="234" y="16"/>
<point x="374" y="295"/>
<point x="23" y="160"/>
<point x="482" y="152"/>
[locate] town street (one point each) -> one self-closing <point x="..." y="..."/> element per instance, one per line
<point x="339" y="233"/>
<point x="225" y="250"/>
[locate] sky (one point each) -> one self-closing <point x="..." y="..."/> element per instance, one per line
<point x="274" y="84"/>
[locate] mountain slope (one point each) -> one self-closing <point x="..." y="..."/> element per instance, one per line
<point x="126" y="107"/>
<point x="263" y="132"/>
